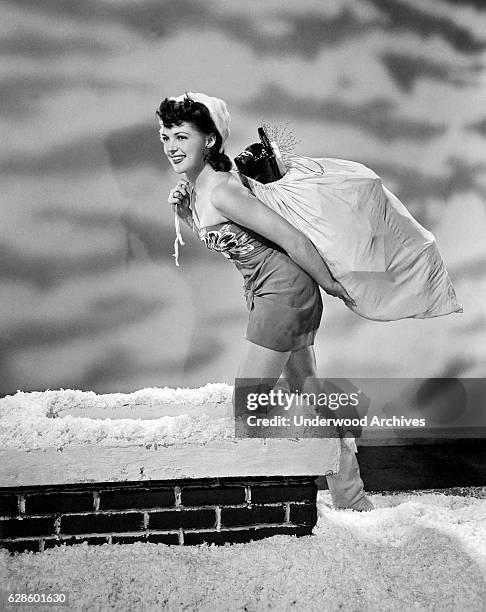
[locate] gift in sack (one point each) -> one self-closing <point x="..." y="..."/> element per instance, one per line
<point x="262" y="161"/>
<point x="387" y="262"/>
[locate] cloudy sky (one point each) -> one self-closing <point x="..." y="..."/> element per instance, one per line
<point x="91" y="297"/>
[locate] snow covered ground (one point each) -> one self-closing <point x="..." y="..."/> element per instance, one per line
<point x="424" y="551"/>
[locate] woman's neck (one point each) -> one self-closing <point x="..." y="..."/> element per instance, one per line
<point x="204" y="179"/>
<point x="202" y="186"/>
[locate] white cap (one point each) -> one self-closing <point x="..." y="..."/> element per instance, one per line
<point x="217" y="110"/>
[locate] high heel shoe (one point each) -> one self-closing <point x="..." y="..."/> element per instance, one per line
<point x="346" y="487"/>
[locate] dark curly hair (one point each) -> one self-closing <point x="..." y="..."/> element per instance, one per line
<point x="172" y="113"/>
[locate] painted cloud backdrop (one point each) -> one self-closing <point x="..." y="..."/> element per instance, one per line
<point x="91" y="297"/>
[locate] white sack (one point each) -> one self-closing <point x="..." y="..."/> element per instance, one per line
<point x="388" y="263"/>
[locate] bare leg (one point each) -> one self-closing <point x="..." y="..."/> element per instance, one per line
<point x="346" y="487"/>
<point x="258" y="372"/>
<point x="300" y="366"/>
<point x="265" y="366"/>
<point x="261" y="362"/>
<point x="301" y="373"/>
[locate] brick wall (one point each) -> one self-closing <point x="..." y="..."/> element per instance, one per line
<point x="171" y="512"/>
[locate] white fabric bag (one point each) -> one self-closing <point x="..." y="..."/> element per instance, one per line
<point x="387" y="262"/>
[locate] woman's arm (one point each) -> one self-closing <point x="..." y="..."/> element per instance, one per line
<point x="238" y="204"/>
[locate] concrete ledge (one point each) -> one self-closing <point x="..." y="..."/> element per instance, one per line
<point x="247" y="457"/>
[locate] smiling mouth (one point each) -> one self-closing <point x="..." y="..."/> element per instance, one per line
<point x="177" y="158"/>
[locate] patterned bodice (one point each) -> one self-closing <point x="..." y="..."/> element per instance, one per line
<point x="234" y="241"/>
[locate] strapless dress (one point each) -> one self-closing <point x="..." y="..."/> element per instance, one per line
<point x="284" y="302"/>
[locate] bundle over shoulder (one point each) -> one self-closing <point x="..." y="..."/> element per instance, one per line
<point x="388" y="263"/>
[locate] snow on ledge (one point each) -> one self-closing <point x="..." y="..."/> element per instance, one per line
<point x="159" y="417"/>
<point x="69" y="436"/>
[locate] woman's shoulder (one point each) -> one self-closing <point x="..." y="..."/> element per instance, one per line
<point x="228" y="187"/>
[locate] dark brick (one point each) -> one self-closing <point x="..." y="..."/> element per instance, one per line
<point x="174" y="519"/>
<point x="241" y="535"/>
<point x="129" y="539"/>
<point x="8" y="505"/>
<point x="18" y="528"/>
<point x="212" y="497"/>
<point x="301" y="481"/>
<point x="303" y="514"/>
<point x="135" y="498"/>
<point x="51" y="503"/>
<point x="303" y="530"/>
<point x="102" y="523"/>
<point x="163" y="538"/>
<point x="233" y="517"/>
<point x="95" y="540"/>
<point x="20" y="545"/>
<point x="261" y="494"/>
<point x="52" y="542"/>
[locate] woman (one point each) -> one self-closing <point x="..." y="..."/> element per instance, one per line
<point x="281" y="267"/>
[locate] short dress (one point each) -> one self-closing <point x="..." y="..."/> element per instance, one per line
<point x="284" y="301"/>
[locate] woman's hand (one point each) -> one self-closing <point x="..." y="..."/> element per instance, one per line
<point x="179" y="198"/>
<point x="337" y="290"/>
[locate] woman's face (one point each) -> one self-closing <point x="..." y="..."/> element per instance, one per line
<point x="184" y="146"/>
